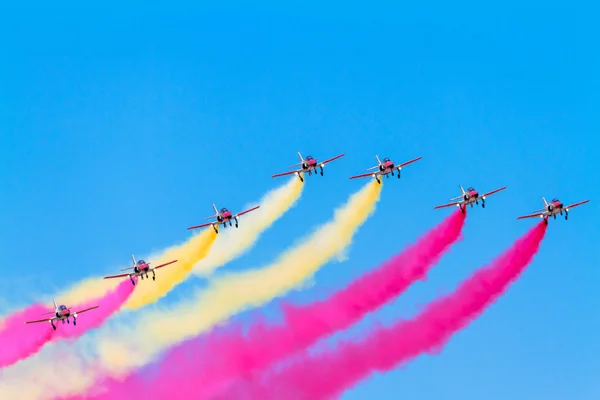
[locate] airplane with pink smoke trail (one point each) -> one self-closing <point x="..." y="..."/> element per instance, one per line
<point x="552" y="209"/>
<point x="61" y="313"/>
<point x="140" y="268"/>
<point x="307" y="165"/>
<point x="223" y="217"/>
<point x="469" y="196"/>
<point x="385" y="167"/>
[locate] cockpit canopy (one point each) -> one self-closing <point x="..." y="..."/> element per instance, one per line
<point x="141" y="262"/>
<point x="470" y="189"/>
<point x="309" y="158"/>
<point x="555" y="200"/>
<point x="386" y="160"/>
<point x="62" y="308"/>
<point x="224" y="210"/>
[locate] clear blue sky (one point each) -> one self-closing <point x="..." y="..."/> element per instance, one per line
<point x="120" y="126"/>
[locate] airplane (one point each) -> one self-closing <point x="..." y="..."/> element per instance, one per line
<point x="384" y="168"/>
<point x="469" y="196"/>
<point x="223" y="217"/>
<point x="552" y="209"/>
<point x="141" y="269"/>
<point x="61" y="313"/>
<point x="308" y="164"/>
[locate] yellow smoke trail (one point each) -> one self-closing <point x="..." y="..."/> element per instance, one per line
<point x="187" y="255"/>
<point x="236" y="241"/>
<point x="194" y="254"/>
<point x="123" y="348"/>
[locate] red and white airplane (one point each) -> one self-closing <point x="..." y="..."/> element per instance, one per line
<point x="469" y="196"/>
<point x="552" y="209"/>
<point x="384" y="168"/>
<point x="223" y="217"/>
<point x="61" y="313"/>
<point x="308" y="164"/>
<point x="141" y="269"/>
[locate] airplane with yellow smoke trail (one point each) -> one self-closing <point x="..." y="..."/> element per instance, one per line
<point x="307" y="165"/>
<point x="223" y="217"/>
<point x="385" y="167"/>
<point x="140" y="269"/>
<point x="201" y="254"/>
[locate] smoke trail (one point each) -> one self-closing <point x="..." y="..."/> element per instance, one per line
<point x="273" y="205"/>
<point x="187" y="255"/>
<point x="126" y="348"/>
<point x="20" y="341"/>
<point x="228" y="356"/>
<point x="109" y="304"/>
<point x="333" y="372"/>
<point x="235" y="242"/>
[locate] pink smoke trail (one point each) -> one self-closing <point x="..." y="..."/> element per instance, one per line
<point x="327" y="375"/>
<point x="20" y="341"/>
<point x="108" y="304"/>
<point x="227" y="356"/>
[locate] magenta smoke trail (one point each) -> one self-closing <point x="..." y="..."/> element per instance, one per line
<point x="19" y="341"/>
<point x="327" y="375"/>
<point x="108" y="304"/>
<point x="227" y="356"/>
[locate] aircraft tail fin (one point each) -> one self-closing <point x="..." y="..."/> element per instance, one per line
<point x="215" y="208"/>
<point x="54" y="302"/>
<point x="461" y="196"/>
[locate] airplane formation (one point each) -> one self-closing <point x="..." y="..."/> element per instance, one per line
<point x="310" y="165"/>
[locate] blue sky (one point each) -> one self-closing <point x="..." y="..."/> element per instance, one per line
<point x="120" y="126"/>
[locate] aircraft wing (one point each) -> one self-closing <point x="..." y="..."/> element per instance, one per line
<point x="448" y="205"/>
<point x="164" y="265"/>
<point x="200" y="226"/>
<point x="576" y="204"/>
<point x="286" y="173"/>
<point x="493" y="191"/>
<point x="116" y="276"/>
<point x="365" y="175"/>
<point x="247" y="211"/>
<point x="87" y="309"/>
<point x="40" y="320"/>
<point x="531" y="215"/>
<point x="331" y="159"/>
<point x="408" y="162"/>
